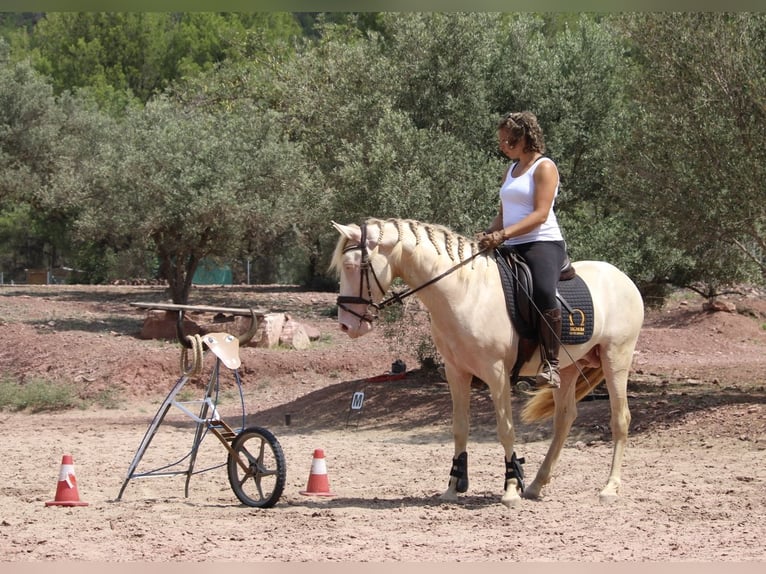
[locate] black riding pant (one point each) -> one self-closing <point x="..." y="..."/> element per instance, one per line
<point x="545" y="259"/>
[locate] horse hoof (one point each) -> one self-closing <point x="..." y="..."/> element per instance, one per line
<point x="607" y="498"/>
<point x="531" y="494"/>
<point x="511" y="501"/>
<point x="449" y="496"/>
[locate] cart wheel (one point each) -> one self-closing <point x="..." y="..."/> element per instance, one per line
<point x="256" y="467"/>
<point x="523" y="387"/>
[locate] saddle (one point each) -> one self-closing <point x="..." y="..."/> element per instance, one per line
<point x="225" y="346"/>
<point x="572" y="293"/>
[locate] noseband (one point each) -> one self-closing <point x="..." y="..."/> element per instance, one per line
<point x="366" y="269"/>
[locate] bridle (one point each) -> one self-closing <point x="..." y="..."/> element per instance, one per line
<point x="366" y="269"/>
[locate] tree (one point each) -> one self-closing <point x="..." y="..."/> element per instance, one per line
<point x="43" y="139"/>
<point x="443" y="62"/>
<point x="695" y="168"/>
<point x="332" y="95"/>
<point x="187" y="183"/>
<point x="29" y="121"/>
<point x="383" y="146"/>
<point x="403" y="122"/>
<point x="118" y="55"/>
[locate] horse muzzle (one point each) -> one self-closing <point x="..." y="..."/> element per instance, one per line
<point x="354" y="317"/>
<point x="356" y="329"/>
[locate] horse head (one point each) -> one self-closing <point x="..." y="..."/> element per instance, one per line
<point x="365" y="276"/>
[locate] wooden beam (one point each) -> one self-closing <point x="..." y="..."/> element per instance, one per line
<point x="200" y="309"/>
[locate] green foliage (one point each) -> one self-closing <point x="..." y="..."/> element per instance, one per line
<point x="37" y="395"/>
<point x="29" y="125"/>
<point x="115" y="54"/>
<point x="40" y="395"/>
<point x="442" y="62"/>
<point x="401" y="171"/>
<point x="693" y="172"/>
<point x="11" y="22"/>
<point x="139" y="143"/>
<point x="407" y="327"/>
<point x="188" y="183"/>
<point x="15" y="239"/>
<point x="40" y="153"/>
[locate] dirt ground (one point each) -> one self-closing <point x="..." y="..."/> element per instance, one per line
<point x="693" y="476"/>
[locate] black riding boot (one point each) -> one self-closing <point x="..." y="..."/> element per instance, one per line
<point x="550" y="340"/>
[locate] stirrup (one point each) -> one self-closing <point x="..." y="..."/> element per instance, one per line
<point x="548" y="376"/>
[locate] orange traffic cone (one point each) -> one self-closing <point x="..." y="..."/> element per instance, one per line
<point x="66" y="490"/>
<point x="318" y="484"/>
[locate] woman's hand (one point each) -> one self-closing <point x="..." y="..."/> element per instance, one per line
<point x="490" y="240"/>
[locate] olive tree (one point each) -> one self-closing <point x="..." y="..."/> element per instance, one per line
<point x="397" y="121"/>
<point x="185" y="183"/>
<point x="695" y="167"/>
<point x="44" y="140"/>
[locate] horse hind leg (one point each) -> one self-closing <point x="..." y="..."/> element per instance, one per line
<point x="616" y="370"/>
<point x="565" y="412"/>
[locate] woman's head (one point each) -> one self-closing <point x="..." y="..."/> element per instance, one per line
<point x="522" y="127"/>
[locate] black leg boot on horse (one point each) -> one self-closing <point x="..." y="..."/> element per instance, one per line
<point x="550" y="343"/>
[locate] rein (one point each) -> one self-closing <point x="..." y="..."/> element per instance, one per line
<point x="397" y="297"/>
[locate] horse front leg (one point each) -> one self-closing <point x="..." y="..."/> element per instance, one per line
<point x="564" y="414"/>
<point x="500" y="391"/>
<point x="460" y="390"/>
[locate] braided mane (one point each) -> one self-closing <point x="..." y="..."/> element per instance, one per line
<point x="444" y="241"/>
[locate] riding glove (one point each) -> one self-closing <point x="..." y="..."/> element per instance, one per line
<point x="490" y="240"/>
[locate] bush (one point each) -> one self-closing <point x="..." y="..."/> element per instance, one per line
<point x="37" y="395"/>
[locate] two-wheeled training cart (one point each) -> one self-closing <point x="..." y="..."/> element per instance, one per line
<point x="255" y="463"/>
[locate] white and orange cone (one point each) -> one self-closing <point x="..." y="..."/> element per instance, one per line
<point x="319" y="484"/>
<point x="66" y="490"/>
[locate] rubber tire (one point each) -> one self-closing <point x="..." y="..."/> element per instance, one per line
<point x="272" y="476"/>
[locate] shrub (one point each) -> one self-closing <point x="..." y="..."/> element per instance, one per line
<point x="37" y="395"/>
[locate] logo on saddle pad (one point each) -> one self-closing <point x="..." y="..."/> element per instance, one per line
<point x="573" y="293"/>
<point x="577" y="323"/>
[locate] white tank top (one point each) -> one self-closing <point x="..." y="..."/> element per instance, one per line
<point x="518" y="199"/>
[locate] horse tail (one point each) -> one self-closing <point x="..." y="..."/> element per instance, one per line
<point x="540" y="406"/>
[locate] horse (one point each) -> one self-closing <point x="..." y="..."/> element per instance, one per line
<point x="459" y="284"/>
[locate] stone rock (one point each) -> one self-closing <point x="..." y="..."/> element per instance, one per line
<point x="313" y="333"/>
<point x="162" y="325"/>
<point x="219" y="324"/>
<point x="274" y="329"/>
<point x="242" y="326"/>
<point x="716" y="305"/>
<point x="269" y="330"/>
<point x="294" y="335"/>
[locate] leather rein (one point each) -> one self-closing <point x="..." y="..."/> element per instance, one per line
<point x="366" y="269"/>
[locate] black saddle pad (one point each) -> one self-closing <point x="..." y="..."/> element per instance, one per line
<point x="576" y="311"/>
<point x="575" y="297"/>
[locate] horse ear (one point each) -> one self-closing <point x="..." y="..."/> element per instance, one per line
<point x="351" y="232"/>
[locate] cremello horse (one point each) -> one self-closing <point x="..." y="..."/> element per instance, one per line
<point x="461" y="288"/>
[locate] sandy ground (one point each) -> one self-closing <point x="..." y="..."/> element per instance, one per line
<point x="693" y="476"/>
